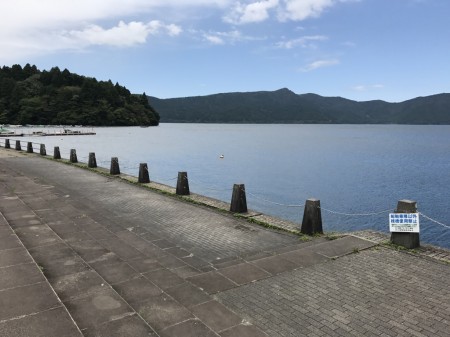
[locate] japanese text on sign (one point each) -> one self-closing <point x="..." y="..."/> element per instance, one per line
<point x="404" y="222"/>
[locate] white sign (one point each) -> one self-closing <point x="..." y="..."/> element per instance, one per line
<point x="404" y="222"/>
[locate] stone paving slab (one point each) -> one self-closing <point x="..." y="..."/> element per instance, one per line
<point x="189" y="328"/>
<point x="188" y="295"/>
<point x="8" y="240"/>
<point x="343" y="246"/>
<point x="77" y="285"/>
<point x="14" y="256"/>
<point x="98" y="308"/>
<point x="20" y="275"/>
<point x="275" y="264"/>
<point x="216" y="316"/>
<point x="212" y="282"/>
<point x="26" y="300"/>
<point x="128" y="326"/>
<point x="244" y="273"/>
<point x="51" y="323"/>
<point x="162" y="311"/>
<point x="137" y="290"/>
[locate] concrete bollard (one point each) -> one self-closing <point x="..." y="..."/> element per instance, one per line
<point x="56" y="153"/>
<point x="407" y="240"/>
<point x="238" y="199"/>
<point x="92" y="162"/>
<point x="144" y="177"/>
<point x="114" y="169"/>
<point x="42" y="150"/>
<point x="29" y="147"/>
<point x="7" y="144"/>
<point x="182" y="184"/>
<point x="312" y="218"/>
<point x="73" y="156"/>
<point x="18" y="147"/>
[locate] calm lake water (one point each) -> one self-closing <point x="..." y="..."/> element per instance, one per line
<point x="351" y="168"/>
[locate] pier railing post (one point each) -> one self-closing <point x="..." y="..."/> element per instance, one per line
<point x="144" y="177"/>
<point x="42" y="150"/>
<point x="29" y="147"/>
<point x="312" y="218"/>
<point x="238" y="199"/>
<point x="114" y="169"/>
<point x="7" y="144"/>
<point x="73" y="156"/>
<point x="56" y="153"/>
<point x="18" y="147"/>
<point x="182" y="184"/>
<point x="92" y="162"/>
<point x="407" y="240"/>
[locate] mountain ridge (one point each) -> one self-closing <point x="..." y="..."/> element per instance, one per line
<point x="285" y="106"/>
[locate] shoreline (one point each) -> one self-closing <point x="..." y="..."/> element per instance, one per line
<point x="426" y="250"/>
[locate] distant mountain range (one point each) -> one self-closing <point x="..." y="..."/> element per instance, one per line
<point x="285" y="106"/>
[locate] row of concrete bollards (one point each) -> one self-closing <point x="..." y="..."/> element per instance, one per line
<point x="18" y="147"/>
<point x="312" y="216"/>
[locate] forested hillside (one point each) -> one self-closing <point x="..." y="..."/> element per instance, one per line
<point x="31" y="96"/>
<point x="284" y="106"/>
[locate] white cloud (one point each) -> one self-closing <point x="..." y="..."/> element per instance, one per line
<point x="31" y="27"/>
<point x="298" y="10"/>
<point x="226" y="37"/>
<point x="304" y="42"/>
<point x="252" y="12"/>
<point x="319" y="64"/>
<point x="50" y="13"/>
<point x="45" y="42"/>
<point x="214" y="39"/>
<point x="295" y="10"/>
<point x="123" y="35"/>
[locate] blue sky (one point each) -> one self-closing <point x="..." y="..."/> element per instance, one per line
<point x="392" y="50"/>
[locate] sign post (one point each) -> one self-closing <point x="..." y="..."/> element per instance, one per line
<point x="404" y="225"/>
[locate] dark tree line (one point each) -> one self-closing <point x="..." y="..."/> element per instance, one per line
<point x="55" y="97"/>
<point x="284" y="106"/>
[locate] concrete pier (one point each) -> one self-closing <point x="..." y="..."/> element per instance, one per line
<point x="82" y="254"/>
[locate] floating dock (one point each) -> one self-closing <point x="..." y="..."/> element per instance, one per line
<point x="61" y="133"/>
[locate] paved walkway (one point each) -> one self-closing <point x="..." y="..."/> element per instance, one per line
<point x="83" y="254"/>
